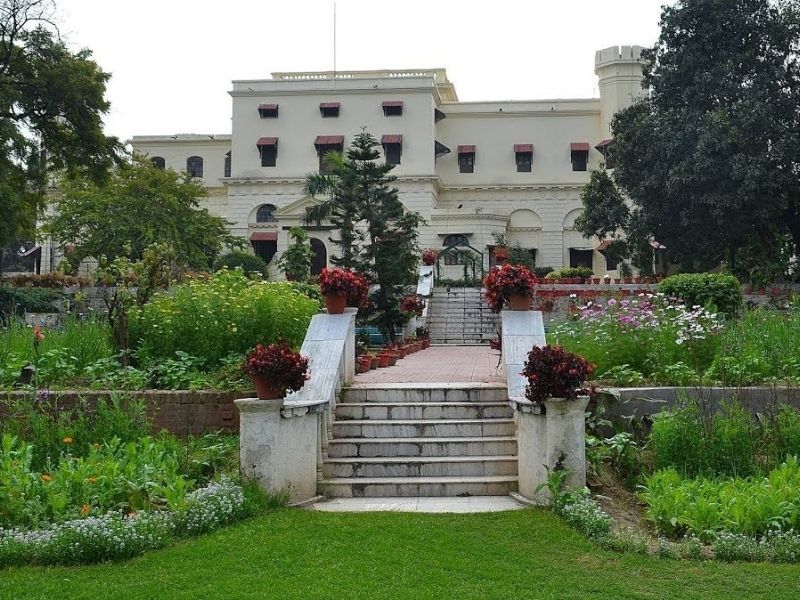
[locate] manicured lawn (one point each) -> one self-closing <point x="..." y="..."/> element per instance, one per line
<point x="297" y="554"/>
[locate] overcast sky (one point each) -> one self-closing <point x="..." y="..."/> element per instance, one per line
<point x="172" y="61"/>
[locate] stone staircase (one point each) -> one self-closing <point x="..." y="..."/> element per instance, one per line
<point x="400" y="440"/>
<point x="460" y="316"/>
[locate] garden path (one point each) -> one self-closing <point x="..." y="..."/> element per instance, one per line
<point x="442" y="364"/>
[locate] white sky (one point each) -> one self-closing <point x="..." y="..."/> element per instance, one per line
<point x="172" y="61"/>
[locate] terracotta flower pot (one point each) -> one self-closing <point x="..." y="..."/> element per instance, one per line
<point x="335" y="304"/>
<point x="393" y="356"/>
<point x="401" y="352"/>
<point x="362" y="366"/>
<point x="383" y="360"/>
<point x="519" y="302"/>
<point x="426" y="343"/>
<point x="373" y="363"/>
<point x="595" y="280"/>
<point x="265" y="389"/>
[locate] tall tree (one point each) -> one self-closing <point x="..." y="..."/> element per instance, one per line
<point x="709" y="159"/>
<point x="138" y="206"/>
<point x="377" y="235"/>
<point x="51" y="108"/>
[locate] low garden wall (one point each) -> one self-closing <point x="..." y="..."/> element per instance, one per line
<point x="180" y="412"/>
<point x="622" y="403"/>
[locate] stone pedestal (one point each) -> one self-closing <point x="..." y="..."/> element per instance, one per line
<point x="280" y="452"/>
<point x="552" y="437"/>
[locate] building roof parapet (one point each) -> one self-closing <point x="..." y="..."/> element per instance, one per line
<point x="197" y="138"/>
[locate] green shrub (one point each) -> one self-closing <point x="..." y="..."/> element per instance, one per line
<point x="568" y="272"/>
<point x="542" y="272"/>
<point x="16" y="301"/>
<point x="210" y="320"/>
<point x="720" y="293"/>
<point x="249" y="263"/>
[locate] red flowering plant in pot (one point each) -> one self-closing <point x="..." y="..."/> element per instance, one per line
<point x="552" y="372"/>
<point x="412" y="304"/>
<point x="501" y="255"/>
<point x="275" y="370"/>
<point x="509" y="284"/>
<point x="429" y="256"/>
<point x="340" y="287"/>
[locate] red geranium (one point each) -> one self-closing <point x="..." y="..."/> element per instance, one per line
<point x="429" y="256"/>
<point x="553" y="372"/>
<point x="506" y="281"/>
<point x="412" y="304"/>
<point x="343" y="282"/>
<point x="283" y="367"/>
<point x="501" y="254"/>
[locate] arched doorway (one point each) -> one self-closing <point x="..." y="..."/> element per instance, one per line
<point x="320" y="260"/>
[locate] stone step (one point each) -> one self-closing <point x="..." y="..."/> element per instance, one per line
<point x="429" y="447"/>
<point x="442" y="466"/>
<point x="377" y="487"/>
<point x="424" y="392"/>
<point x="415" y="428"/>
<point x="424" y="410"/>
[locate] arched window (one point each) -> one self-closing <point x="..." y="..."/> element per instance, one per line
<point x="264" y="213"/>
<point x="227" y="171"/>
<point x="158" y="162"/>
<point x="455" y="239"/>
<point x="194" y="166"/>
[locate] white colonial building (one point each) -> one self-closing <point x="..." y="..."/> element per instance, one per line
<point x="472" y="169"/>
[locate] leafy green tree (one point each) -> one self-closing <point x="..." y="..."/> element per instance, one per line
<point x="377" y="235"/>
<point x="295" y="262"/>
<point x="51" y="108"/>
<point x="138" y="206"/>
<point x="249" y="263"/>
<point x="709" y="157"/>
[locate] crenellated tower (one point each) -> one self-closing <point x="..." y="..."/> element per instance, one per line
<point x="619" y="69"/>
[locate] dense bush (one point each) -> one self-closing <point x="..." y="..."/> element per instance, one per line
<point x="54" y="279"/>
<point x="249" y="263"/>
<point x="228" y="314"/>
<point x="719" y="293"/>
<point x="17" y="301"/>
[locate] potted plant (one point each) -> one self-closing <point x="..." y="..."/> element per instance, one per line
<point x="363" y="363"/>
<point x="374" y="362"/>
<point x="424" y="336"/>
<point x="554" y="373"/>
<point x="275" y="369"/>
<point x="383" y="360"/>
<point x="501" y="255"/>
<point x="429" y="256"/>
<point x="339" y="285"/>
<point x="509" y="284"/>
<point x="412" y="304"/>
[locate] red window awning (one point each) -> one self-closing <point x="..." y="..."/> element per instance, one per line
<point x="466" y="149"/>
<point x="329" y="104"/>
<point x="267" y="107"/>
<point x="267" y="141"/>
<point x="523" y="148"/>
<point x="604" y="245"/>
<point x="392" y="139"/>
<point x="329" y="140"/>
<point x="392" y="104"/>
<point x="579" y="147"/>
<point x="264" y="236"/>
<point x="602" y="145"/>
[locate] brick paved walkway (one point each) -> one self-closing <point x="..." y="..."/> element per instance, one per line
<point x="441" y="364"/>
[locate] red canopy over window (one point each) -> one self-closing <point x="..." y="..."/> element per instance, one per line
<point x="264" y="236"/>
<point x="392" y="139"/>
<point x="579" y="146"/>
<point x="523" y="147"/>
<point x="329" y="140"/>
<point x="466" y="149"/>
<point x="267" y="141"/>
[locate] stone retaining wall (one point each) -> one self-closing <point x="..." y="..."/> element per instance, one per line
<point x="179" y="412"/>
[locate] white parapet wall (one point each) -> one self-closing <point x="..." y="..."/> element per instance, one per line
<point x="551" y="436"/>
<point x="281" y="442"/>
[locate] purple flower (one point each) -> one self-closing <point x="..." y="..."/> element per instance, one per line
<point x="42" y="395"/>
<point x="612" y="302"/>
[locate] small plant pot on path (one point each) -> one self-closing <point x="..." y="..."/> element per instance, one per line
<point x="265" y="390"/>
<point x="373" y="363"/>
<point x="519" y="302"/>
<point x="335" y="305"/>
<point x="383" y="360"/>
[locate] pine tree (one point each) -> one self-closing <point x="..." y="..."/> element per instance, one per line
<point x="377" y="235"/>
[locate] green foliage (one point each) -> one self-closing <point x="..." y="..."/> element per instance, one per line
<point x="295" y="262"/>
<point x="581" y="272"/>
<point x="209" y="320"/>
<point x="16" y="301"/>
<point x="719" y="293"/>
<point x="705" y="507"/>
<point x="139" y="206"/>
<point x="383" y="246"/>
<point x="53" y="99"/>
<point x="703" y="156"/>
<point x="605" y="212"/>
<point x="542" y="272"/>
<point x="249" y="263"/>
<point x="517" y="255"/>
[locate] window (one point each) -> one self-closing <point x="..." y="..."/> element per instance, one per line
<point x="329" y="109"/>
<point x="194" y="166"/>
<point x="580" y="156"/>
<point x="455" y="239"/>
<point x="611" y="262"/>
<point x="466" y="159"/>
<point x="264" y="213"/>
<point x="268" y="151"/>
<point x="392" y="108"/>
<point x="325" y="144"/>
<point x="227" y="168"/>
<point x="268" y="111"/>
<point x="524" y="157"/>
<point x="581" y="257"/>
<point x="158" y="162"/>
<point x="392" y="148"/>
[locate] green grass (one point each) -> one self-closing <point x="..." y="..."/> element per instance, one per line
<point x="290" y="554"/>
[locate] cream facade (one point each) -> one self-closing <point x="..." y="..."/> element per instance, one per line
<point x="280" y="125"/>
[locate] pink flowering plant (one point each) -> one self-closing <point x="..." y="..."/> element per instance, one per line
<point x="647" y="338"/>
